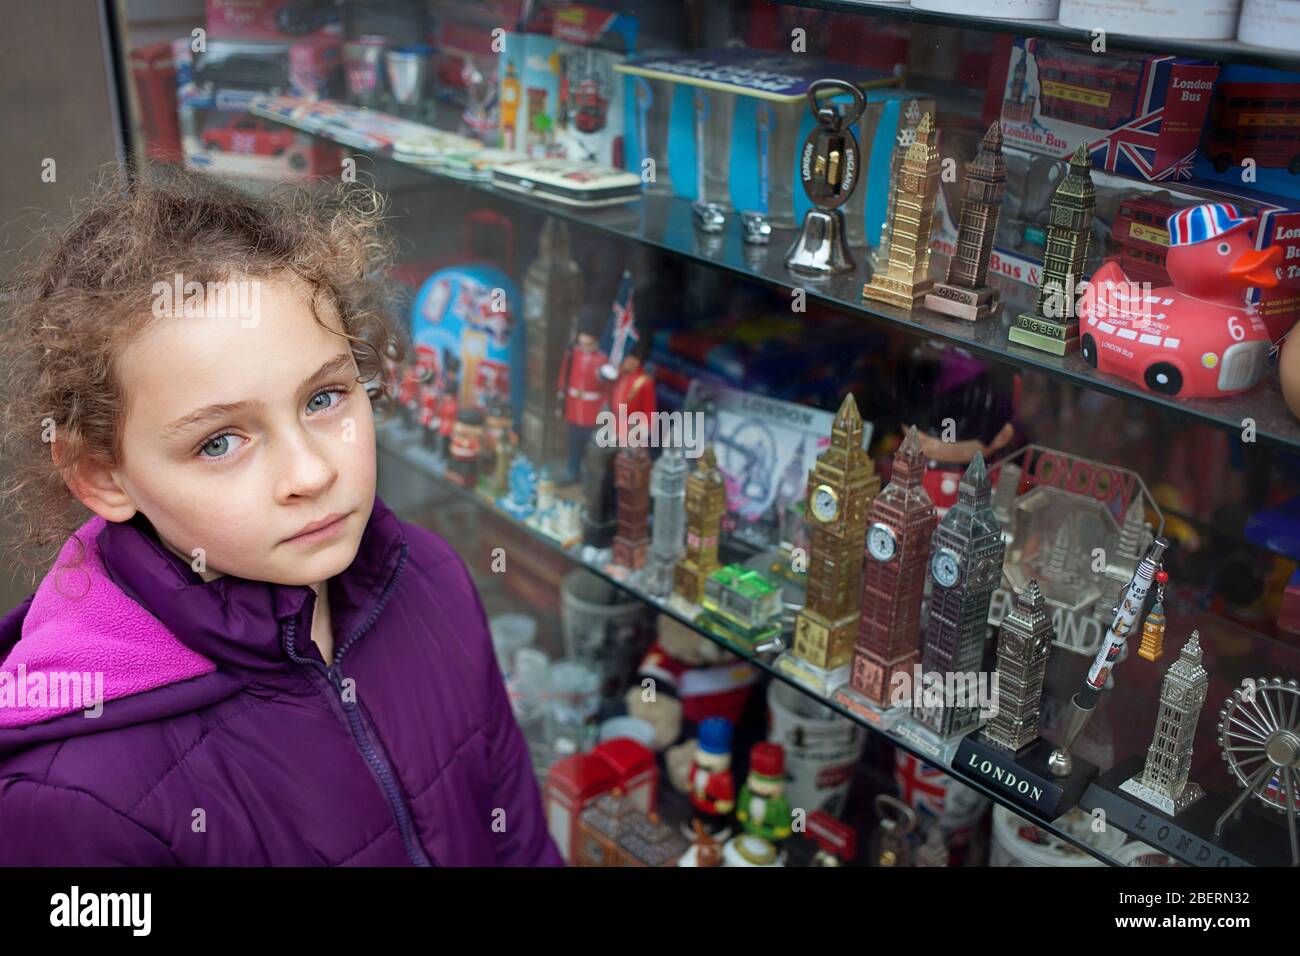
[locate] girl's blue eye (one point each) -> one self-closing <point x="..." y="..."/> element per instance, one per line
<point x="220" y="444"/>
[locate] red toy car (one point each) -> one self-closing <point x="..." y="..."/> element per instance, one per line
<point x="255" y="137"/>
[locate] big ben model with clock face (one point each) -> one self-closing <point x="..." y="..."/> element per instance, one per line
<point x="904" y="278"/>
<point x="841" y="487"/>
<point x="965" y="568"/>
<point x="900" y="524"/>
<point x="706" y="500"/>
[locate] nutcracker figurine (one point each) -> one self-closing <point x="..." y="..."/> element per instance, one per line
<point x="583" y="391"/>
<point x="712" y="790"/>
<point x="763" y="809"/>
<point x="447" y="409"/>
<point x="466" y="440"/>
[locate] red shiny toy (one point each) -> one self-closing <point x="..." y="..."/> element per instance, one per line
<point x="1197" y="338"/>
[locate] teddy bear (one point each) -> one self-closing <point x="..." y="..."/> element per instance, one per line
<point x="684" y="678"/>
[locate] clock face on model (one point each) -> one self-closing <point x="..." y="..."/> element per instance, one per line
<point x="825" y="503"/>
<point x="984" y="571"/>
<point x="881" y="543"/>
<point x="944" y="566"/>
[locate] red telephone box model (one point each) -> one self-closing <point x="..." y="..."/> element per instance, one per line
<point x="576" y="782"/>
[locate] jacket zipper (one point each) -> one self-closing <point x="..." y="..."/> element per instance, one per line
<point x="377" y="761"/>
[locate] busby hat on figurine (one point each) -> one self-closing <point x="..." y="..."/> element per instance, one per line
<point x="715" y="735"/>
<point x="590" y="322"/>
<point x="767" y="761"/>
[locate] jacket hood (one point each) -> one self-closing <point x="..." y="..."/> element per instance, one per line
<point x="122" y="631"/>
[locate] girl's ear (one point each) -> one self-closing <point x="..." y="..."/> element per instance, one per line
<point x="95" y="486"/>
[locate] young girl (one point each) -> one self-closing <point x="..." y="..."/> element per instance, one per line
<point x="243" y="658"/>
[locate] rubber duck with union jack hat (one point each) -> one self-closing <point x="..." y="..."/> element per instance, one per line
<point x="1197" y="338"/>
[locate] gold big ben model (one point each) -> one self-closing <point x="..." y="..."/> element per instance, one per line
<point x="841" y="487"/>
<point x="904" y="279"/>
<point x="706" y="500"/>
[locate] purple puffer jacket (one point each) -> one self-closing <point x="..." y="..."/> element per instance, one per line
<point x="225" y="739"/>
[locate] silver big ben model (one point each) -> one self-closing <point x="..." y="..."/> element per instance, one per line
<point x="966" y="567"/>
<point x="1163" y="783"/>
<point x="668" y="529"/>
<point x="1023" y="648"/>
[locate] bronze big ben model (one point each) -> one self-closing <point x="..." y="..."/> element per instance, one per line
<point x="1053" y="326"/>
<point x="841" y="487"/>
<point x="632" y="483"/>
<point x="904" y="279"/>
<point x="706" y="500"/>
<point x="966" y="566"/>
<point x="967" y="294"/>
<point x="899" y="527"/>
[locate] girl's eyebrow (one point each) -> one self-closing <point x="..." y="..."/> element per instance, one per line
<point x="212" y="412"/>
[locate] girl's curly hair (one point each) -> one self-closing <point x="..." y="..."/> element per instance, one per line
<point x="85" y="293"/>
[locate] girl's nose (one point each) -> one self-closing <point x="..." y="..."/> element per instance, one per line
<point x="306" y="472"/>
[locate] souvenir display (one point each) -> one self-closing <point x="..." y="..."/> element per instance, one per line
<point x="711" y="789"/>
<point x="900" y="524"/>
<point x="658" y="417"/>
<point x="743" y="605"/>
<point x="1163" y="782"/>
<point x="1259" y="737"/>
<point x="1127" y="612"/>
<point x="762" y="808"/>
<point x="966" y="555"/>
<point x="904" y="278"/>
<point x="570" y="182"/>
<point x="829" y="167"/>
<point x="1053" y="326"/>
<point x="966" y="294"/>
<point x="1197" y="338"/>
<point x="552" y="296"/>
<point x="705" y="503"/>
<point x="841" y="487"/>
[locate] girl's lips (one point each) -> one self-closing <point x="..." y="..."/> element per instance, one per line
<point x="318" y="531"/>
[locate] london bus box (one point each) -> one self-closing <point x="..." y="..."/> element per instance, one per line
<point x="1140" y="115"/>
<point x="1252" y="139"/>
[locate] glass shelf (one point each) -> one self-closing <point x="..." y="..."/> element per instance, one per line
<point x="667" y="223"/>
<point x="1130" y="716"/>
<point x="1222" y="51"/>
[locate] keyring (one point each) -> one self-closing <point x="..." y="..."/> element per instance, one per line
<point x="839" y="86"/>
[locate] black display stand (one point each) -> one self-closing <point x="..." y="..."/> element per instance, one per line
<point x="1023" y="776"/>
<point x="1256" y="838"/>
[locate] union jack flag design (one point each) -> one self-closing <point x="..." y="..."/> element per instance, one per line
<point x="621" y="331"/>
<point x="1199" y="223"/>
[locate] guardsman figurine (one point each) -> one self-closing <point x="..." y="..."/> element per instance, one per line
<point x="466" y="442"/>
<point x="447" y="409"/>
<point x="634" y="389"/>
<point x="712" y="790"/>
<point x="763" y="809"/>
<point x="582" y="390"/>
